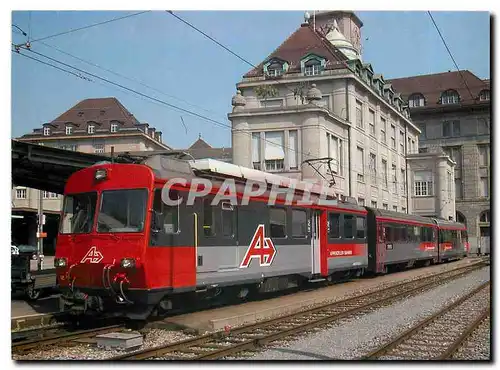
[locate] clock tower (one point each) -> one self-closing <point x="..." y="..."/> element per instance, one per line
<point x="348" y="23"/>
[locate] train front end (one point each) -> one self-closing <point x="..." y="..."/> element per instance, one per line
<point x="102" y="238"/>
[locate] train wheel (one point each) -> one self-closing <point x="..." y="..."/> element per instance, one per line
<point x="32" y="293"/>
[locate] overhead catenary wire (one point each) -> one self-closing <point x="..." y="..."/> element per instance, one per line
<point x="449" y="52"/>
<point x="89" y="26"/>
<point x="218" y="123"/>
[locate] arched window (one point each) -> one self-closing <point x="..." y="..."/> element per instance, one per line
<point x="416" y="100"/>
<point x="484" y="216"/>
<point x="461" y="218"/>
<point x="484" y="95"/>
<point x="312" y="67"/>
<point x="450" y="97"/>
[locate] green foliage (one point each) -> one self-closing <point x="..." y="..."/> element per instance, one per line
<point x="266" y="91"/>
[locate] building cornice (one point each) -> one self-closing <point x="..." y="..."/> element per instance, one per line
<point x="337" y="75"/>
<point x="432" y="156"/>
<point x="309" y="108"/>
<point x="42" y="138"/>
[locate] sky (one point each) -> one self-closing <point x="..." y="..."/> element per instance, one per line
<point x="187" y="70"/>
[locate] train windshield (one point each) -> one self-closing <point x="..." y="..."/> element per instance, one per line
<point x="122" y="211"/>
<point x="78" y="215"/>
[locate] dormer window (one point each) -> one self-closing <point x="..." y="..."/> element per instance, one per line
<point x="91" y="129"/>
<point x="69" y="130"/>
<point x="275" y="67"/>
<point x="114" y="127"/>
<point x="484" y="95"/>
<point x="416" y="100"/>
<point x="46" y="131"/>
<point x="450" y="97"/>
<point x="312" y="67"/>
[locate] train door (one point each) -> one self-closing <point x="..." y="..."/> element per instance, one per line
<point x="316" y="242"/>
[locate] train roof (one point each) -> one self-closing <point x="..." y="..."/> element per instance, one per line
<point x="446" y="223"/>
<point x="400" y="216"/>
<point x="171" y="165"/>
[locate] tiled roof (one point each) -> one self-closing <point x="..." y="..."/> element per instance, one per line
<point x="433" y="85"/>
<point x="300" y="43"/>
<point x="200" y="144"/>
<point x="100" y="112"/>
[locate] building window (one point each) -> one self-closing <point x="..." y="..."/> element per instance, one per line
<point x="293" y="150"/>
<point x="403" y="209"/>
<point x="455" y="153"/>
<point x="334" y="145"/>
<point x="394" y="179"/>
<point x="385" y="206"/>
<point x="458" y="188"/>
<point x="422" y="128"/>
<point x="256" y="150"/>
<point x="483" y="183"/>
<point x="371" y="122"/>
<point x="384" y="172"/>
<point x="312" y="67"/>
<point x="423" y="150"/>
<point x="46" y="131"/>
<point x="373" y="168"/>
<point x="361" y="201"/>
<point x="69" y="130"/>
<point x="484" y="95"/>
<point x="403" y="181"/>
<point x="91" y="129"/>
<point x="49" y="195"/>
<point x="416" y="100"/>
<point x="449" y="183"/>
<point x="423" y="184"/>
<point x="275" y="69"/>
<point x="361" y="164"/>
<point x="383" y="137"/>
<point x="402" y="142"/>
<point x="21" y="193"/>
<point x="484" y="216"/>
<point x="374" y="204"/>
<point x="450" y="97"/>
<point x="395" y="208"/>
<point x="274" y="151"/>
<point x="72" y="148"/>
<point x="451" y="128"/>
<point x="484" y="155"/>
<point x="393" y="136"/>
<point x="98" y="148"/>
<point x="359" y="114"/>
<point x="114" y="127"/>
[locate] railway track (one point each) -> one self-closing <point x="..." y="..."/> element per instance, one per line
<point x="61" y="336"/>
<point x="250" y="338"/>
<point x="439" y="336"/>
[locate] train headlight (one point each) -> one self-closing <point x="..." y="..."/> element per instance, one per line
<point x="60" y="262"/>
<point x="128" y="263"/>
<point x="101" y="174"/>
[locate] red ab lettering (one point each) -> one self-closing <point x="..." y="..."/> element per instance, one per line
<point x="261" y="248"/>
<point x="93" y="256"/>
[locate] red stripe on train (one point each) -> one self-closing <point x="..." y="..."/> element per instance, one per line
<point x="345" y="250"/>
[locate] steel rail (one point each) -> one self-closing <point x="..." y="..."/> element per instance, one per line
<point x="394" y="343"/>
<point x="23" y="346"/>
<point x="462" y="339"/>
<point x="287" y="330"/>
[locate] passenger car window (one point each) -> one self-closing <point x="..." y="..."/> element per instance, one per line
<point x="277" y="222"/>
<point x="348" y="226"/>
<point x="299" y="223"/>
<point x="360" y="227"/>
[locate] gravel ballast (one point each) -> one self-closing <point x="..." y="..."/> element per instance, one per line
<point x="356" y="336"/>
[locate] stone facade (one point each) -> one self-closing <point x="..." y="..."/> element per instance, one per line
<point x="296" y="121"/>
<point x="462" y="131"/>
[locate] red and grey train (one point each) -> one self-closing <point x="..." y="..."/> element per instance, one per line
<point x="122" y="249"/>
